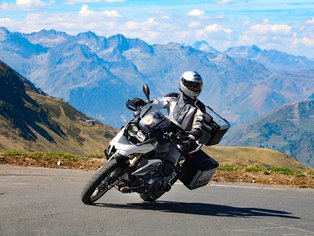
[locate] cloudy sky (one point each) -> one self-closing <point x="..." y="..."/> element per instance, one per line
<point x="286" y="25"/>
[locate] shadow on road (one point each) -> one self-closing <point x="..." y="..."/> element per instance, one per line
<point x="201" y="209"/>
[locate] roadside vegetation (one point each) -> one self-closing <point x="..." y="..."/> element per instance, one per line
<point x="257" y="173"/>
<point x="51" y="159"/>
<point x="269" y="171"/>
<point x="47" y="155"/>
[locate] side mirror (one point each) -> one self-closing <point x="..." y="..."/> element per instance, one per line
<point x="146" y="92"/>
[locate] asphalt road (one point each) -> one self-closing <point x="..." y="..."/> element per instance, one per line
<point x="37" y="201"/>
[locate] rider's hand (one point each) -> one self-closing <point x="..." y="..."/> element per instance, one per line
<point x="134" y="103"/>
<point x="189" y="142"/>
<point x="138" y="102"/>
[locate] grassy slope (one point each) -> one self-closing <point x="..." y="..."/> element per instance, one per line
<point x="250" y="156"/>
<point x="79" y="137"/>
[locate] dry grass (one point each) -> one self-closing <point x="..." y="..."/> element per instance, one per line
<point x="79" y="137"/>
<point x="251" y="156"/>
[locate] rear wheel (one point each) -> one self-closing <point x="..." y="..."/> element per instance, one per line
<point x="104" y="179"/>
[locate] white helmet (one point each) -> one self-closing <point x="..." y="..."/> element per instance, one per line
<point x="191" y="84"/>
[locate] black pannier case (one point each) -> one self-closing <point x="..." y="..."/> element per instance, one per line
<point x="197" y="170"/>
<point x="214" y="128"/>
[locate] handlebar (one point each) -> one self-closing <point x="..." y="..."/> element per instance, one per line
<point x="182" y="146"/>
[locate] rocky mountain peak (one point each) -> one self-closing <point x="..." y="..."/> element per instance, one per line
<point x="204" y="46"/>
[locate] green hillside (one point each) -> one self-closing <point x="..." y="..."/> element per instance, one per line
<point x="31" y="120"/>
<point x="289" y="129"/>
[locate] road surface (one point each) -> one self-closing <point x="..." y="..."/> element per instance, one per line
<point x="38" y="201"/>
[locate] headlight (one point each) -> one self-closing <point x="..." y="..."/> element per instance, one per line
<point x="135" y="132"/>
<point x="132" y="130"/>
<point x="141" y="136"/>
<point x="148" y="120"/>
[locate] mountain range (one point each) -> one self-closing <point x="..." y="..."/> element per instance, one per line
<point x="256" y="90"/>
<point x="34" y="121"/>
<point x="97" y="75"/>
<point x="31" y="120"/>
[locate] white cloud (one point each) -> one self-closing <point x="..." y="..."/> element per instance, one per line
<point x="246" y="22"/>
<point x="214" y="28"/>
<point x="71" y="2"/>
<point x="196" y="13"/>
<point x="4" y="6"/>
<point x="195" y="24"/>
<point x="268" y="28"/>
<point x="224" y="2"/>
<point x="165" y="18"/>
<point x="269" y="35"/>
<point x="153" y="30"/>
<point x="29" y="3"/>
<point x="85" y="11"/>
<point x="308" y="41"/>
<point x="310" y="21"/>
<point x="150" y="24"/>
<point x="26" y="5"/>
<point x="305" y="41"/>
<point x="222" y="16"/>
<point x="132" y="25"/>
<point x="213" y="32"/>
<point x="5" y="20"/>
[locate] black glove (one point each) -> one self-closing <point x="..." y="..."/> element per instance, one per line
<point x="134" y="103"/>
<point x="138" y="102"/>
<point x="189" y="142"/>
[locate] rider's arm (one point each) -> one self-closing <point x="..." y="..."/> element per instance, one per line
<point x="197" y="124"/>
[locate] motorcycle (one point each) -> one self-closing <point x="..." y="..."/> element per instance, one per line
<point x="133" y="156"/>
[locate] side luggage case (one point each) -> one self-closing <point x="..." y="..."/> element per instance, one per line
<point x="197" y="170"/>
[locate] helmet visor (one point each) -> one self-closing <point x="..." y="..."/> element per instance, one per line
<point x="192" y="85"/>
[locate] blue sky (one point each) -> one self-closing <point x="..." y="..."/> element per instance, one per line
<point x="286" y="25"/>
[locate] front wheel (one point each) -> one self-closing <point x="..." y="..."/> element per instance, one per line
<point x="104" y="179"/>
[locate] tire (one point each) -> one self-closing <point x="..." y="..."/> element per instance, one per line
<point x="100" y="183"/>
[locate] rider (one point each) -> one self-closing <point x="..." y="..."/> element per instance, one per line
<point x="186" y="111"/>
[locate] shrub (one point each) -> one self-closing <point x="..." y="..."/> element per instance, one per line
<point x="256" y="168"/>
<point x="228" y="167"/>
<point x="300" y="174"/>
<point x="267" y="172"/>
<point x="284" y="171"/>
<point x="40" y="155"/>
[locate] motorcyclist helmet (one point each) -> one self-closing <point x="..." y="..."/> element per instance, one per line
<point x="191" y="84"/>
